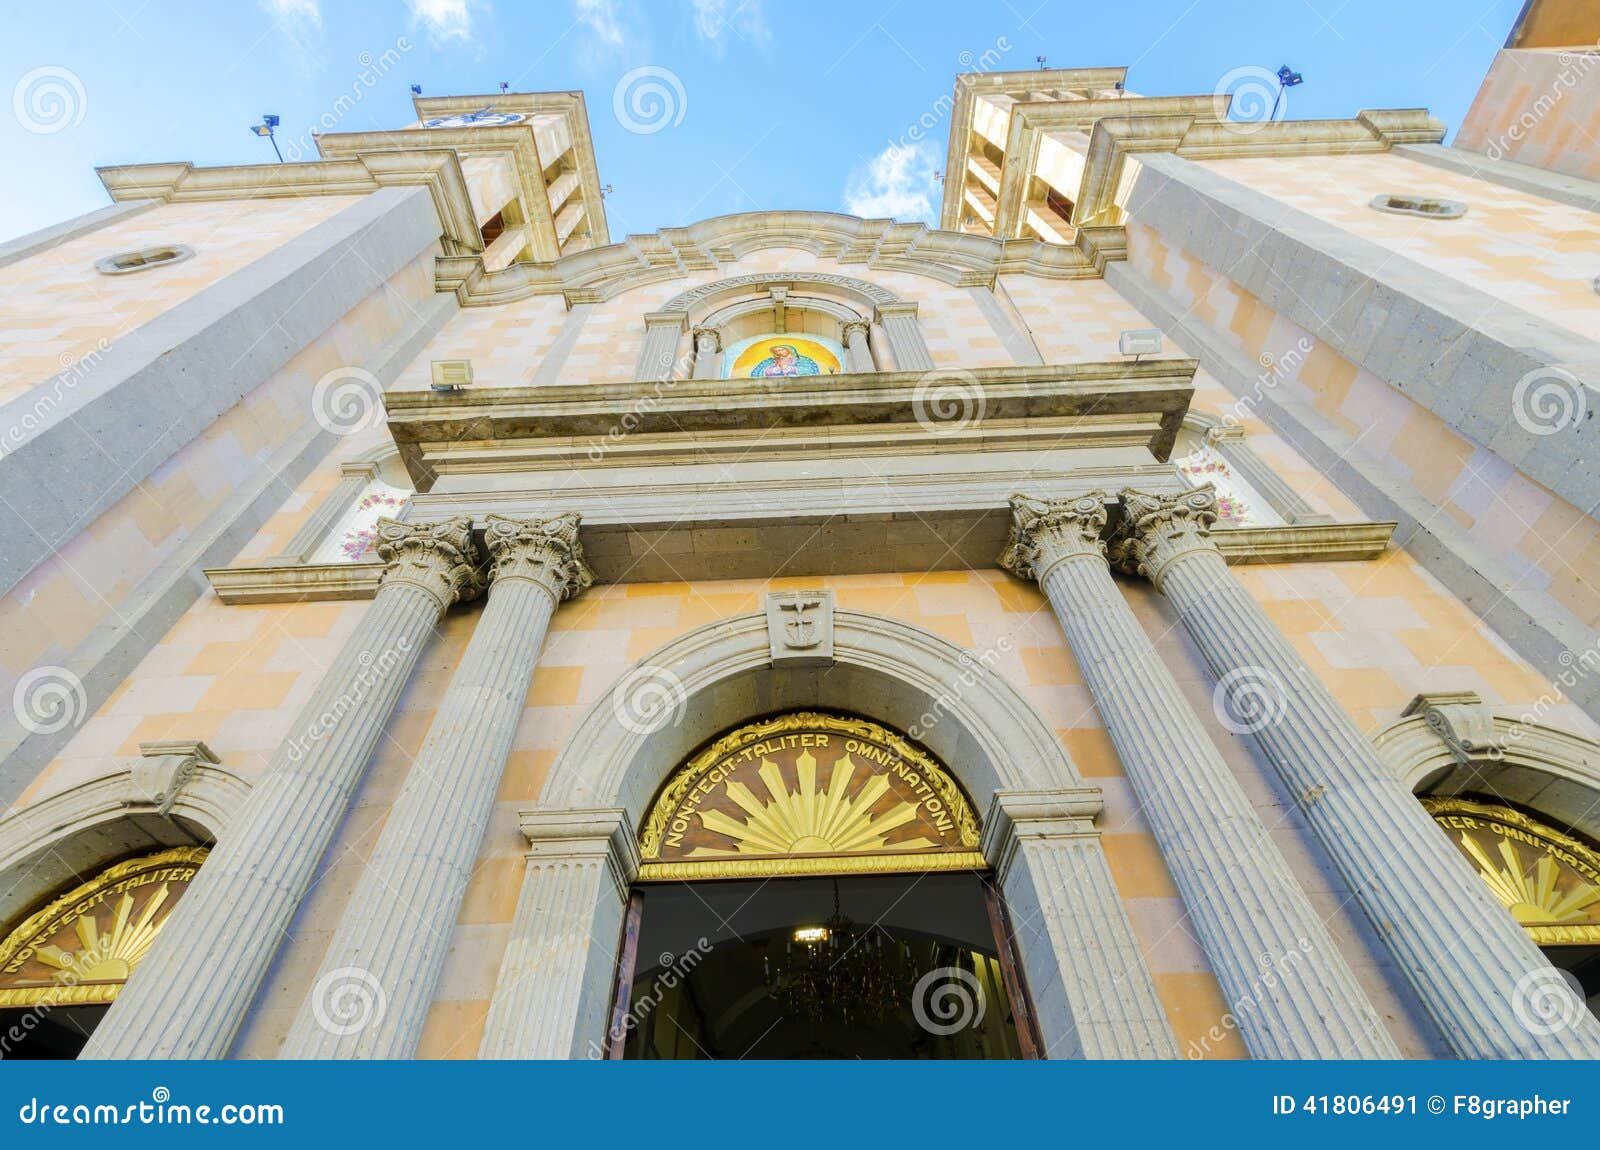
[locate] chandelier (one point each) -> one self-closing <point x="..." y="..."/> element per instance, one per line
<point x="840" y="971"/>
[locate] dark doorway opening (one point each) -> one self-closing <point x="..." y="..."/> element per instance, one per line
<point x="48" y="1032"/>
<point x="892" y="966"/>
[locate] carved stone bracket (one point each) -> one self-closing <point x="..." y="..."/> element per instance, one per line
<point x="1463" y="721"/>
<point x="800" y="628"/>
<point x="165" y="768"/>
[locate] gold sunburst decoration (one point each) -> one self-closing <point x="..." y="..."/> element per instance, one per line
<point x="811" y="820"/>
<point x="1547" y="879"/>
<point x="81" y="948"/>
<point x="808" y="793"/>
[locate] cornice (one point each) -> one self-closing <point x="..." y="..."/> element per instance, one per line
<point x="656" y="513"/>
<point x="953" y="258"/>
<point x="357" y="174"/>
<point x="1084" y="392"/>
<point x="1204" y="134"/>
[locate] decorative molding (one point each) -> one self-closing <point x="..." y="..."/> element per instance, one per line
<point x="544" y="551"/>
<point x="800" y="627"/>
<point x="439" y="558"/>
<point x="438" y="170"/>
<point x="880" y="245"/>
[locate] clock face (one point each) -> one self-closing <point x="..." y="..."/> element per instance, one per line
<point x="485" y="118"/>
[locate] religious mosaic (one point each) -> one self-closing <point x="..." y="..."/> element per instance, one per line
<point x="774" y="356"/>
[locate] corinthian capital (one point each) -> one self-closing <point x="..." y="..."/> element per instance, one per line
<point x="1157" y="529"/>
<point x="437" y="557"/>
<point x="546" y="551"/>
<point x="1046" y="531"/>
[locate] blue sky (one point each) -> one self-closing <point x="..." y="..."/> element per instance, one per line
<point x="768" y="105"/>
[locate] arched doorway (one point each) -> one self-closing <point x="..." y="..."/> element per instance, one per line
<point x="811" y="886"/>
<point x="1547" y="878"/>
<point x="64" y="963"/>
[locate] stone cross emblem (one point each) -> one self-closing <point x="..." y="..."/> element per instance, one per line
<point x="800" y="628"/>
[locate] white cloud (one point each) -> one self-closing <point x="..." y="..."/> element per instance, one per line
<point x="602" y="20"/>
<point x="445" y="20"/>
<point x="715" y="19"/>
<point x="300" y="22"/>
<point x="897" y="183"/>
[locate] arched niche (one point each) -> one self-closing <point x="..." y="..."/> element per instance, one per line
<point x="875" y="327"/>
<point x="1091" y="993"/>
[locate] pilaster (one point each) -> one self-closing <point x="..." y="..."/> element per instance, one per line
<point x="555" y="979"/>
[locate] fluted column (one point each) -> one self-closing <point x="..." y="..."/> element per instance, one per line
<point x="1290" y="990"/>
<point x="1473" y="966"/>
<point x="857" y="346"/>
<point x="555" y="979"/>
<point x="1092" y="993"/>
<point x="190" y="994"/>
<point x="377" y="980"/>
<point x="707" y="352"/>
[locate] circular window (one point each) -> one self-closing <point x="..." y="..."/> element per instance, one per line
<point x="125" y="263"/>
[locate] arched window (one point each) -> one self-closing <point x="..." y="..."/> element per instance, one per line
<point x="811" y="885"/>
<point x="1521" y="800"/>
<point x="64" y="963"/>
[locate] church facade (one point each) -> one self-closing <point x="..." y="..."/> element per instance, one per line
<point x="1152" y="614"/>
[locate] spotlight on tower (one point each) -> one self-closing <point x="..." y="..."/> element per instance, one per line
<point x="1287" y="78"/>
<point x="265" y="128"/>
<point x="416" y="89"/>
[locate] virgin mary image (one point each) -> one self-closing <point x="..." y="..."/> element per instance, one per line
<point x="784" y="360"/>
